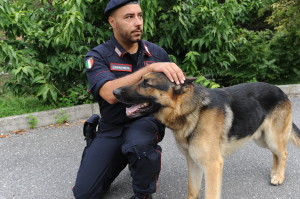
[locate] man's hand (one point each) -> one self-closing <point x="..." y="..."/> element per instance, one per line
<point x="171" y="70"/>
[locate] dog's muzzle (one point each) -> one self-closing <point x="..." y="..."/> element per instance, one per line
<point x="117" y="93"/>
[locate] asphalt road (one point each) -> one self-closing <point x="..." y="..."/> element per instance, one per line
<point x="42" y="164"/>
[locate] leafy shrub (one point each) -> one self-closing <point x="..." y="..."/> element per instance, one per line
<point x="285" y="49"/>
<point x="285" y="45"/>
<point x="198" y="33"/>
<point x="46" y="60"/>
<point x="253" y="59"/>
<point x="45" y="41"/>
<point x="76" y="95"/>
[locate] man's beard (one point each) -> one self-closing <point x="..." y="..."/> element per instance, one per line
<point x="135" y="40"/>
<point x="131" y="37"/>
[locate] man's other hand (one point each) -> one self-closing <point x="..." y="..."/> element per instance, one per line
<point x="170" y="69"/>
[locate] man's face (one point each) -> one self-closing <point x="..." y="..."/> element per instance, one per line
<point x="127" y="23"/>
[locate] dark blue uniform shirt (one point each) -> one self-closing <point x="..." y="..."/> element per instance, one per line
<point x="109" y="61"/>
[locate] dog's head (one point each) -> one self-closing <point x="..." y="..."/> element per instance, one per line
<point x="153" y="93"/>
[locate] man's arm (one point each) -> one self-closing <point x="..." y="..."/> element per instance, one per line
<point x="172" y="71"/>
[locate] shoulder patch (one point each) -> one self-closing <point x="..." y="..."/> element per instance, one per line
<point x="89" y="63"/>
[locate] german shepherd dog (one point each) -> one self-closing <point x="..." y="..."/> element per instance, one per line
<point x="209" y="124"/>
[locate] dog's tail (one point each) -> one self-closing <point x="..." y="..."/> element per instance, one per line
<point x="295" y="136"/>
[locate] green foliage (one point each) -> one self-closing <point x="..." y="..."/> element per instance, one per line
<point x="285" y="45"/>
<point x="254" y="61"/>
<point x="46" y="60"/>
<point x="267" y="55"/>
<point x="252" y="14"/>
<point x="285" y="49"/>
<point x="61" y="117"/>
<point x="32" y="121"/>
<point x="44" y="41"/>
<point x="203" y="81"/>
<point x="77" y="95"/>
<point x="198" y="33"/>
<point x="286" y="16"/>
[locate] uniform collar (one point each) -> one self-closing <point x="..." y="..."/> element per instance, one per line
<point x="144" y="48"/>
<point x="120" y="51"/>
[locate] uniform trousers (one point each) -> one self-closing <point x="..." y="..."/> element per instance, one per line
<point x="106" y="156"/>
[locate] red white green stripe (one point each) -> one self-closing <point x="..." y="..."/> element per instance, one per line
<point x="89" y="63"/>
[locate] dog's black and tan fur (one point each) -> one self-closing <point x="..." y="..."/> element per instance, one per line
<point x="209" y="124"/>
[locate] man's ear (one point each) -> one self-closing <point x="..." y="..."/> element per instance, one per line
<point x="111" y="21"/>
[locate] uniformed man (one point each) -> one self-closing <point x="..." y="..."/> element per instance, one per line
<point x="121" y="141"/>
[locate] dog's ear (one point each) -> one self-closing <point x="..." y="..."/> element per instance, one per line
<point x="189" y="80"/>
<point x="180" y="88"/>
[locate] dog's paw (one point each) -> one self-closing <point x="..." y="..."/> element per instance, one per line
<point x="277" y="179"/>
<point x="190" y="196"/>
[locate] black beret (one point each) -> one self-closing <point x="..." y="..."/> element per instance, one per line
<point x="114" y="4"/>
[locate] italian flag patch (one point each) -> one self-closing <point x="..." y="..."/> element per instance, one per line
<point x="89" y="63"/>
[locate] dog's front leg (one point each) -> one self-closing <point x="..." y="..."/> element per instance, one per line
<point x="213" y="179"/>
<point x="194" y="179"/>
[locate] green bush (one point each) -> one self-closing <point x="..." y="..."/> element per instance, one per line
<point x="253" y="59"/>
<point x="44" y="41"/>
<point x="77" y="95"/>
<point x="285" y="49"/>
<point x="47" y="59"/>
<point x="198" y="33"/>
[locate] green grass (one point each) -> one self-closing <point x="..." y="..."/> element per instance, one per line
<point x="13" y="105"/>
<point x="16" y="105"/>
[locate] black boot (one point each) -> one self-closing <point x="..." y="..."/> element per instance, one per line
<point x="141" y="196"/>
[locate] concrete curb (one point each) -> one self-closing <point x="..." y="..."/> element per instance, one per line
<point x="81" y="112"/>
<point x="45" y="118"/>
<point x="292" y="89"/>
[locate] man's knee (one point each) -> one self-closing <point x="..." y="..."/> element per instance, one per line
<point x="145" y="165"/>
<point x="145" y="156"/>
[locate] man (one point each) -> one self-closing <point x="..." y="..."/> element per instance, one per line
<point x="121" y="61"/>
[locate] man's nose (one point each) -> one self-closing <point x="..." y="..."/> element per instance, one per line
<point x="138" y="21"/>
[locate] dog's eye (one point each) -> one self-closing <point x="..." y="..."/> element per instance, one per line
<point x="145" y="83"/>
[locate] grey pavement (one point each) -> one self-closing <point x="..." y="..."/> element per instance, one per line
<point x="42" y="164"/>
